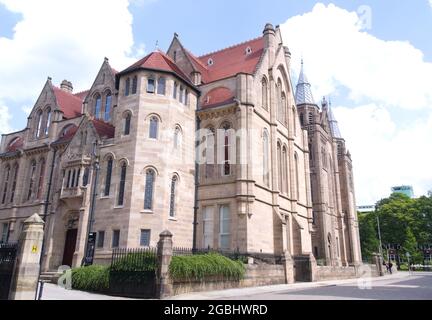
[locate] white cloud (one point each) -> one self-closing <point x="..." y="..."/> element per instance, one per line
<point x="338" y="53"/>
<point x="64" y="40"/>
<point x="381" y="78"/>
<point x="5" y="119"/>
<point x="430" y="3"/>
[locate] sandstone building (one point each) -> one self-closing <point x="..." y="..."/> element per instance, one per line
<point x="218" y="149"/>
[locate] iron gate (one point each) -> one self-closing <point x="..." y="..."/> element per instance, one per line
<point x="8" y="254"/>
<point x="302" y="267"/>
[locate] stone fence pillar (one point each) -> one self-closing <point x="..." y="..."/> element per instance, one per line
<point x="164" y="253"/>
<point x="288" y="262"/>
<point x="26" y="274"/>
<point x="378" y="260"/>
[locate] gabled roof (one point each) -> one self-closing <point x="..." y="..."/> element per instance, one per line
<point x="70" y="104"/>
<point x="82" y="95"/>
<point x="230" y="61"/>
<point x="15" y="144"/>
<point x="68" y="135"/>
<point x="158" y="61"/>
<point x="104" y="129"/>
<point x="303" y="94"/>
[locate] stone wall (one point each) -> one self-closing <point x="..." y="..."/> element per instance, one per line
<point x="324" y="273"/>
<point x="256" y="275"/>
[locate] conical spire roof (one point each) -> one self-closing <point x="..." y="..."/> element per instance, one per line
<point x="334" y="126"/>
<point x="303" y="93"/>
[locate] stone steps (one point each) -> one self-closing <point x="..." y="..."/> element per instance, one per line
<point x="50" y="277"/>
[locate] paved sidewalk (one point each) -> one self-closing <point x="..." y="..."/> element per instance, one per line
<point x="234" y="293"/>
<point x="54" y="292"/>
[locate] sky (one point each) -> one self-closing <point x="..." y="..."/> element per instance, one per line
<point x="373" y="59"/>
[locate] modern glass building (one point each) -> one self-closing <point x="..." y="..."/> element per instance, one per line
<point x="407" y="190"/>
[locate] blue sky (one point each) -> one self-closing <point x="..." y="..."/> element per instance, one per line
<point x="378" y="74"/>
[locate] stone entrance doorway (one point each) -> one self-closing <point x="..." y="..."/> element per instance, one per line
<point x="69" y="248"/>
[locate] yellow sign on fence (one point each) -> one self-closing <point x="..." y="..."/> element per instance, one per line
<point x="34" y="249"/>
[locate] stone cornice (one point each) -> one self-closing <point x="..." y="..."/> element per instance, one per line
<point x="213" y="113"/>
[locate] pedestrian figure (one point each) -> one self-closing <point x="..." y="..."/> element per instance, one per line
<point x="390" y="266"/>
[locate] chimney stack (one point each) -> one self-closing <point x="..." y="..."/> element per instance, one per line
<point x="66" y="86"/>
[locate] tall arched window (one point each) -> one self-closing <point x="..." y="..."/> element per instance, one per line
<point x="127" y="124"/>
<point x="86" y="177"/>
<point x="39" y="124"/>
<point x="296" y="164"/>
<point x="279" y="160"/>
<point x="302" y="119"/>
<point x="134" y="85"/>
<point x="127" y="86"/>
<point x="175" y="90"/>
<point x="284" y="170"/>
<point x="177" y="138"/>
<point x="226" y="150"/>
<point x="294" y="120"/>
<point x="154" y="126"/>
<point x="284" y="108"/>
<point x="14" y="182"/>
<point x="279" y="100"/>
<point x="48" y="121"/>
<point x="264" y="93"/>
<point x="41" y="178"/>
<point x="161" y="86"/>
<point x="73" y="178"/>
<point x="120" y="200"/>
<point x="149" y="189"/>
<point x="266" y="172"/>
<point x="181" y="95"/>
<point x="32" y="175"/>
<point x="311" y="118"/>
<point x="108" y="102"/>
<point x="6" y="183"/>
<point x="108" y="177"/>
<point x="98" y="103"/>
<point x="151" y="85"/>
<point x="172" y="212"/>
<point x="209" y="152"/>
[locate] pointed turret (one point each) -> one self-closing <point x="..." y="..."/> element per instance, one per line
<point x="303" y="93"/>
<point x="334" y="126"/>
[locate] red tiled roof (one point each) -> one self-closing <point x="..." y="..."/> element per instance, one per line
<point x="15" y="144"/>
<point x="68" y="136"/>
<point x="70" y="105"/>
<point x="217" y="97"/>
<point x="230" y="61"/>
<point x="158" y="61"/>
<point x="105" y="130"/>
<point x="82" y="95"/>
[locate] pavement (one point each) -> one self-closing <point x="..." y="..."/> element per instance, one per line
<point x="400" y="286"/>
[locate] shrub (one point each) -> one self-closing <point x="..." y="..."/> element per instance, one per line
<point x="199" y="267"/>
<point x="140" y="261"/>
<point x="91" y="278"/>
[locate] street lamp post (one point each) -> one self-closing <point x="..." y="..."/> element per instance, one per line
<point x="379" y="235"/>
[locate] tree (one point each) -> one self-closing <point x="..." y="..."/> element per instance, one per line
<point x="410" y="246"/>
<point x="368" y="234"/>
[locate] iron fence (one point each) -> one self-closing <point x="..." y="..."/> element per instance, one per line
<point x="133" y="272"/>
<point x="8" y="254"/>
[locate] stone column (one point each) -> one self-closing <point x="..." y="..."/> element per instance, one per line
<point x="164" y="286"/>
<point x="378" y="260"/>
<point x="26" y="274"/>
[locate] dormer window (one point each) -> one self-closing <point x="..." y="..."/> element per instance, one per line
<point x="248" y="51"/>
<point x="210" y="62"/>
<point x="150" y="85"/>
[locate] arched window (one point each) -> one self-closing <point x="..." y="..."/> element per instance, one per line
<point x="302" y="119"/>
<point x="175" y="90"/>
<point x="6" y="183"/>
<point x="134" y="85"/>
<point x="311" y="118"/>
<point x="78" y="178"/>
<point x="84" y="139"/>
<point x="284" y="109"/>
<point x="149" y="189"/>
<point x="127" y="124"/>
<point x="209" y="152"/>
<point x="279" y="100"/>
<point x="41" y="178"/>
<point x="264" y="93"/>
<point x="150" y="85"/>
<point x="177" y="138"/>
<point x="120" y="200"/>
<point x="284" y="170"/>
<point x="154" y="126"/>
<point x="98" y="104"/>
<point x="14" y="182"/>
<point x="172" y="212"/>
<point x="86" y="177"/>
<point x="73" y="179"/>
<point x="108" y="177"/>
<point x="181" y="95"/>
<point x="266" y="173"/>
<point x="39" y="124"/>
<point x="279" y="163"/>
<point x="161" y="86"/>
<point x="32" y="175"/>
<point x="127" y="86"/>
<point x="227" y="147"/>
<point x="296" y="164"/>
<point x="108" y="101"/>
<point x="68" y="182"/>
<point x="48" y="121"/>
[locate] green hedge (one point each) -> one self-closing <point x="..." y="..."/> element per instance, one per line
<point x="92" y="278"/>
<point x="198" y="267"/>
<point x="146" y="261"/>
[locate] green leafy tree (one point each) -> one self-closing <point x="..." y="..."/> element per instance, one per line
<point x="368" y="234"/>
<point x="410" y="246"/>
